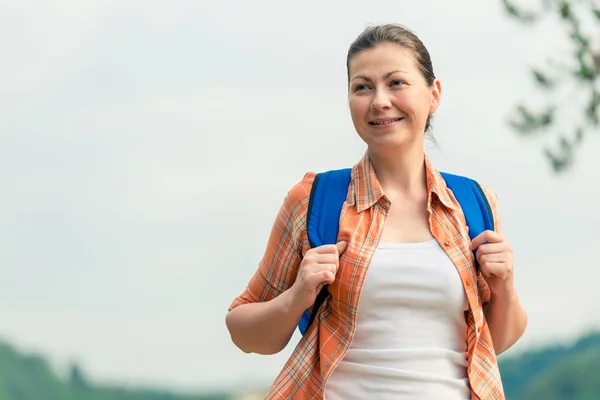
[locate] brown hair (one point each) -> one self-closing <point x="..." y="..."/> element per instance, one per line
<point x="396" y="34"/>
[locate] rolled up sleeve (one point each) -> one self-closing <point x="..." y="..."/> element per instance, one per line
<point x="279" y="265"/>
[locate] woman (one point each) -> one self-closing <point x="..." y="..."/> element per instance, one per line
<point x="424" y="322"/>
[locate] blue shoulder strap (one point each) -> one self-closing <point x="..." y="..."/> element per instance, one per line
<point x="328" y="193"/>
<point x="327" y="196"/>
<point x="474" y="204"/>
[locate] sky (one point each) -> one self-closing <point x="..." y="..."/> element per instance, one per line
<point x="145" y="148"/>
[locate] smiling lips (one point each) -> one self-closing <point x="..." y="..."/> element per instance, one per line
<point x="384" y="122"/>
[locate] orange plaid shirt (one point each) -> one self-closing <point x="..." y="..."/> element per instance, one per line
<point x="362" y="220"/>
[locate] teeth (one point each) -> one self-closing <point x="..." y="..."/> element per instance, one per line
<point x="386" y="122"/>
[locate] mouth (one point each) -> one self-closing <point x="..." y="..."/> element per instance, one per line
<point x="385" y="122"/>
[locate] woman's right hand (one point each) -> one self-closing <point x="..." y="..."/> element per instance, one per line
<point x="318" y="268"/>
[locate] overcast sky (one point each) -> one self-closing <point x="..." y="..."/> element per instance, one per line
<point x="145" y="148"/>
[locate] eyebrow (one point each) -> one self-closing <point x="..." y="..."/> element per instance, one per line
<point x="366" y="78"/>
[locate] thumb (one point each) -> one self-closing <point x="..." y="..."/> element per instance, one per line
<point x="341" y="247"/>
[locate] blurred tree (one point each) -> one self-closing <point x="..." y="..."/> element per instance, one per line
<point x="76" y="376"/>
<point x="578" y="73"/>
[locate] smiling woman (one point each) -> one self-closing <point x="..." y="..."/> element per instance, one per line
<point x="391" y="101"/>
<point x="404" y="304"/>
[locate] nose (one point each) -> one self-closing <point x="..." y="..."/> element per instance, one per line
<point x="381" y="101"/>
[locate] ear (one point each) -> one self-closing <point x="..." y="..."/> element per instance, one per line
<point x="436" y="96"/>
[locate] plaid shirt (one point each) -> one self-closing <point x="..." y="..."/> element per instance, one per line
<point x="363" y="216"/>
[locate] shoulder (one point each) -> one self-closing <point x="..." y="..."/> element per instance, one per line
<point x="300" y="192"/>
<point x="492" y="199"/>
<point x="490" y="194"/>
<point x="294" y="210"/>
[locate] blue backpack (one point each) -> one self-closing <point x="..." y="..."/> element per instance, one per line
<point x="329" y="192"/>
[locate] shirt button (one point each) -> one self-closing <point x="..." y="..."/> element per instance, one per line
<point x="447" y="242"/>
<point x="468" y="282"/>
<point x="479" y="329"/>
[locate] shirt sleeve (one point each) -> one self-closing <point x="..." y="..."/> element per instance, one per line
<point x="278" y="268"/>
<point x="484" y="290"/>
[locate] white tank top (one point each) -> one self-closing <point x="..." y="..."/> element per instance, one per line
<point x="411" y="333"/>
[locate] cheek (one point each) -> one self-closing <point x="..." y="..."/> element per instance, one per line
<point x="404" y="103"/>
<point x="359" y="108"/>
<point x="416" y="105"/>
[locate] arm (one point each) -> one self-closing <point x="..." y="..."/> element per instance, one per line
<point x="502" y="309"/>
<point x="262" y="319"/>
<point x="264" y="327"/>
<point x="506" y="319"/>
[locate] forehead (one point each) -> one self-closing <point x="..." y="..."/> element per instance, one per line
<point x="381" y="59"/>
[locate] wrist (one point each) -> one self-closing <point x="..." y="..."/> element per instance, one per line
<point x="505" y="293"/>
<point x="289" y="303"/>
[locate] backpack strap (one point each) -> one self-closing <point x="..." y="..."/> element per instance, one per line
<point x="327" y="196"/>
<point x="474" y="203"/>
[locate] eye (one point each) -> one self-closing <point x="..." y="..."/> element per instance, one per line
<point x="396" y="83"/>
<point x="360" y="88"/>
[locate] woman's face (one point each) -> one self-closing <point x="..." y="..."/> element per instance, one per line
<point x="389" y="98"/>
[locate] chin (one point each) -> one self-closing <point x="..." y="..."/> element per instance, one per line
<point x="389" y="140"/>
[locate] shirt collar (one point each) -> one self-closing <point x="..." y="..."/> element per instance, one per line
<point x="436" y="186"/>
<point x="366" y="190"/>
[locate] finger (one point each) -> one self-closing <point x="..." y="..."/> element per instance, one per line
<point x="482" y="258"/>
<point x="328" y="277"/>
<point x="497" y="269"/>
<point x="484" y="271"/>
<point x="336" y="249"/>
<point x="491" y="248"/>
<point x="328" y="249"/>
<point x="485" y="236"/>
<point x="313" y="270"/>
<point x="325" y="249"/>
<point x="317" y="279"/>
<point x="341" y="247"/>
<point x="328" y="258"/>
<point x="327" y="267"/>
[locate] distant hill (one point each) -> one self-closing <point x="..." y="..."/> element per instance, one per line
<point x="29" y="377"/>
<point x="555" y="372"/>
<point x="551" y="373"/>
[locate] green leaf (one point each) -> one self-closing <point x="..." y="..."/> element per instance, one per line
<point x="542" y="79"/>
<point x="596" y="59"/>
<point x="565" y="10"/>
<point x="592" y="109"/>
<point x="585" y="71"/>
<point x="516" y="13"/>
<point x="565" y="145"/>
<point x="596" y="12"/>
<point x="582" y="42"/>
<point x="559" y="163"/>
<point x="527" y="122"/>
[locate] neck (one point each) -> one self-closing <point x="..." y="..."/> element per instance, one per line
<point x="400" y="173"/>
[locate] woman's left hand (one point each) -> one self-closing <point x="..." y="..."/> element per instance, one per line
<point x="495" y="258"/>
